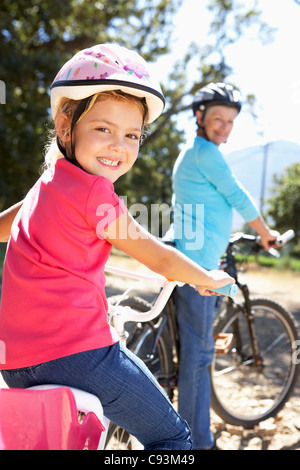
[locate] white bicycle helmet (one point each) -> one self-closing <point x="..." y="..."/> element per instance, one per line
<point x="107" y="67"/>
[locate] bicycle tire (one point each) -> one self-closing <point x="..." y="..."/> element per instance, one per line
<point x="140" y="341"/>
<point x="245" y="393"/>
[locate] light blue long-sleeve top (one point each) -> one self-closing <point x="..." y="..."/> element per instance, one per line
<point x="204" y="194"/>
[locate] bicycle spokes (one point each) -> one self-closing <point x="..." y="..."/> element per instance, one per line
<point x="254" y="379"/>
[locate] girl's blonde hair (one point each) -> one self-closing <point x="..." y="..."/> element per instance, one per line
<point x="68" y="107"/>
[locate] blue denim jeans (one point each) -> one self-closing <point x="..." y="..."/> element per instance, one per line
<point x="129" y="394"/>
<point x="195" y="315"/>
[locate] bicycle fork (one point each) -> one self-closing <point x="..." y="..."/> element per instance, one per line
<point x="249" y="317"/>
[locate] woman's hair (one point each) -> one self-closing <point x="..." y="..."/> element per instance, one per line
<point x="68" y="107"/>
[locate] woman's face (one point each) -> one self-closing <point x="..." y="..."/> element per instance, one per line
<point x="218" y="123"/>
<point x="106" y="139"/>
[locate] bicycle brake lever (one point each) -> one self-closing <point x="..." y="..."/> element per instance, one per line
<point x="274" y="252"/>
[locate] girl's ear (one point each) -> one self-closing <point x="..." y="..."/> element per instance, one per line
<point x="62" y="125"/>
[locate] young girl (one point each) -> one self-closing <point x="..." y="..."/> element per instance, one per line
<point x="53" y="317"/>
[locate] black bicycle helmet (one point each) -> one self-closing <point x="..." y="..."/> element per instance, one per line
<point x="215" y="94"/>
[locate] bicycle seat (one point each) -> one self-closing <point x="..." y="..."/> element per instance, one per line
<point x="47" y="419"/>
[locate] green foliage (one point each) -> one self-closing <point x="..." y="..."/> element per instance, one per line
<point x="2" y="253"/>
<point x="38" y="36"/>
<point x="284" y="205"/>
<point x="284" y="263"/>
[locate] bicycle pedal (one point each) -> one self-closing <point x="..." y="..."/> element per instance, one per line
<point x="223" y="342"/>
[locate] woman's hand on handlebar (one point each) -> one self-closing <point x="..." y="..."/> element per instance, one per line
<point x="268" y="239"/>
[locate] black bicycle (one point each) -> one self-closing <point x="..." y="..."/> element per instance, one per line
<point x="257" y="376"/>
<point x="253" y="375"/>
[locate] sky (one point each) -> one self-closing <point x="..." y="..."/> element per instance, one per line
<point x="271" y="72"/>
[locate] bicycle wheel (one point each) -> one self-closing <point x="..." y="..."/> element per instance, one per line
<point x="245" y="391"/>
<point x="156" y="353"/>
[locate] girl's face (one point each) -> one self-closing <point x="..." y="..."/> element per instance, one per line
<point x="107" y="138"/>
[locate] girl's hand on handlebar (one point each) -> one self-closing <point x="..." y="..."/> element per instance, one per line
<point x="206" y="292"/>
<point x="218" y="279"/>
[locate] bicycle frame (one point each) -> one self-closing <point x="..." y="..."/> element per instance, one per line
<point x="250" y="321"/>
<point x="122" y="314"/>
<point x="119" y="315"/>
<point x="228" y="264"/>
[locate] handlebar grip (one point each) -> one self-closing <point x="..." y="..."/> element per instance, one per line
<point x="231" y="290"/>
<point x="285" y="237"/>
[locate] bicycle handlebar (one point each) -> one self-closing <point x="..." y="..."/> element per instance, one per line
<point x="241" y="237"/>
<point x="230" y="290"/>
<point x="123" y="314"/>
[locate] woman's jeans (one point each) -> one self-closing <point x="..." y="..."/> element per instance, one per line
<point x="195" y="315"/>
<point x="129" y="394"/>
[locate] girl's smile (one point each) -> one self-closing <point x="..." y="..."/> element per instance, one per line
<point x="110" y="163"/>
<point x="105" y="143"/>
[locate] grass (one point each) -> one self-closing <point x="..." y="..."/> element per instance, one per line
<point x="2" y="254"/>
<point x="284" y="263"/>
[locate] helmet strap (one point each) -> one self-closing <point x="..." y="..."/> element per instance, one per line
<point x="202" y="108"/>
<point x="78" y="112"/>
<point x="61" y="147"/>
<point x="202" y="128"/>
<point x="76" y="116"/>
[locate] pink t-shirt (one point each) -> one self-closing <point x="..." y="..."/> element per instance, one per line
<point x="53" y="299"/>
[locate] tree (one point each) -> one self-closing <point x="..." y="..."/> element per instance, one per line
<point x="38" y="36"/>
<point x="284" y="206"/>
